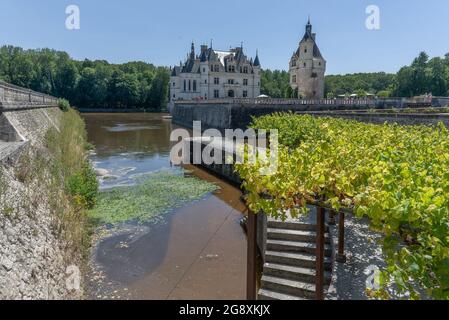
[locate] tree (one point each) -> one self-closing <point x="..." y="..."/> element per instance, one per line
<point x="360" y="93"/>
<point x="438" y="77"/>
<point x="405" y="82"/>
<point x="288" y="92"/>
<point x="384" y="94"/>
<point x="91" y="89"/>
<point x="123" y="90"/>
<point x="158" y="95"/>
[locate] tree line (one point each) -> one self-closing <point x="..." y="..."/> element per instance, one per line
<point x="422" y="76"/>
<point x="87" y="84"/>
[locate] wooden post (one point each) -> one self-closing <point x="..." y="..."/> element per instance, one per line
<point x="341" y="257"/>
<point x="331" y="220"/>
<point x="319" y="277"/>
<point x="251" y="274"/>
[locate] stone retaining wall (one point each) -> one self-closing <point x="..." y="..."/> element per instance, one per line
<point x="33" y="258"/>
<point x="224" y="115"/>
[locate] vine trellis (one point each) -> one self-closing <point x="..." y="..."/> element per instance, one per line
<point x="397" y="176"/>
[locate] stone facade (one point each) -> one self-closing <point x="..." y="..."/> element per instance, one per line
<point x="215" y="74"/>
<point x="307" y="68"/>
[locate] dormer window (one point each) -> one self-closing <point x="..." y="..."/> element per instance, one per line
<point x="217" y="68"/>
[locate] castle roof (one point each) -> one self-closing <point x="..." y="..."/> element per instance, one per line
<point x="257" y="61"/>
<point x="309" y="36"/>
<point x="192" y="64"/>
<point x="176" y="71"/>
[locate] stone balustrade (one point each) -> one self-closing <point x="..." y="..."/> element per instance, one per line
<point x="275" y="101"/>
<point x="13" y="97"/>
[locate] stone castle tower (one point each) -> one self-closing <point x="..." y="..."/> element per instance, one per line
<point x="307" y="68"/>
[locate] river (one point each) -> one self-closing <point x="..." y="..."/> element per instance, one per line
<point x="197" y="251"/>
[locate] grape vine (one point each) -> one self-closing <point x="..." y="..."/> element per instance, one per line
<point x="397" y="176"/>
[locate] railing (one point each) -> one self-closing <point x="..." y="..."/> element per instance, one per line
<point x="17" y="95"/>
<point x="273" y="101"/>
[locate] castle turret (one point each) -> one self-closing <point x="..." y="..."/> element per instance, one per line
<point x="256" y="75"/>
<point x="204" y="70"/>
<point x="307" y="67"/>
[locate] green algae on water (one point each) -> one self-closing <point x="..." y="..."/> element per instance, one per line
<point x="152" y="196"/>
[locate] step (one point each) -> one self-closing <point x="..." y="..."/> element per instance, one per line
<point x="296" y="246"/>
<point x="289" y="287"/>
<point x="271" y="223"/>
<point x="294" y="235"/>
<point x="302" y="260"/>
<point x="306" y="275"/>
<point x="271" y="295"/>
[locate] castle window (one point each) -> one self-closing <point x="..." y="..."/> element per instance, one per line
<point x="314" y="75"/>
<point x="245" y="69"/>
<point x="305" y="64"/>
<point x="174" y="84"/>
<point x="194" y="85"/>
<point x="245" y="94"/>
<point x="231" y="68"/>
<point x="211" y="68"/>
<point x="185" y="85"/>
<point x="216" y="94"/>
<point x="294" y="63"/>
<point x="305" y="50"/>
<point x="216" y="80"/>
<point x="230" y="81"/>
<point x="190" y="85"/>
<point x="205" y="81"/>
<point x="245" y="82"/>
<point x="294" y="79"/>
<point x="217" y="68"/>
<point x="319" y="63"/>
<point x="204" y="70"/>
<point x="231" y="94"/>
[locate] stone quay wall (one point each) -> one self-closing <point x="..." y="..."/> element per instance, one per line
<point x="33" y="259"/>
<point x="225" y="114"/>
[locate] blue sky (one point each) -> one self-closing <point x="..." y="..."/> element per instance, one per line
<point x="161" y="31"/>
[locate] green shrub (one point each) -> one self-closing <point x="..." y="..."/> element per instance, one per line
<point x="64" y="105"/>
<point x="83" y="186"/>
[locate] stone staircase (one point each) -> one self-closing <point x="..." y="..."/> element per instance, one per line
<point x="289" y="269"/>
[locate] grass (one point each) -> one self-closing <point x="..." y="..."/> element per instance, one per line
<point x="57" y="177"/>
<point x="152" y="196"/>
<point x="72" y="184"/>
